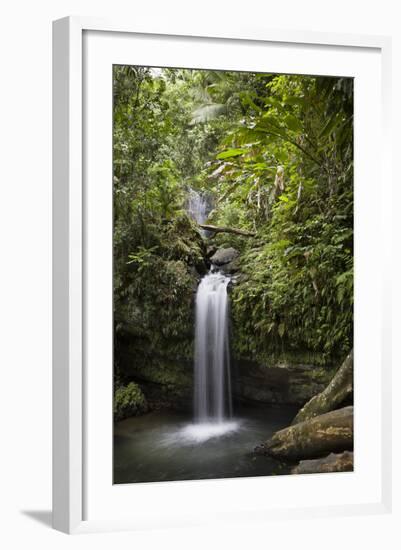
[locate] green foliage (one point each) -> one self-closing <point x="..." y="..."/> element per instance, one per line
<point x="129" y="401"/>
<point x="275" y="153"/>
<point x="155" y="288"/>
<point x="291" y="181"/>
<point x="157" y="248"/>
<point x="230" y="153"/>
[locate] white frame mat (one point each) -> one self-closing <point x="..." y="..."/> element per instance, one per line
<point x="84" y="499"/>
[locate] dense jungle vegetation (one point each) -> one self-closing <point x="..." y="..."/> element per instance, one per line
<point x="274" y="154"/>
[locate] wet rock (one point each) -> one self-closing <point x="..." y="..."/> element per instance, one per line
<point x="201" y="268"/>
<point x="330" y="432"/>
<point x="163" y="380"/>
<point x="224" y="256"/>
<point x="343" y="462"/>
<point x="210" y="250"/>
<point x="291" y="382"/>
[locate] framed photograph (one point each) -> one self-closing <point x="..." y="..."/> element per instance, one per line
<point x="221" y="312"/>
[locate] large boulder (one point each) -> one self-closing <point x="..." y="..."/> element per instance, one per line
<point x="232" y="267"/>
<point x="343" y="462"/>
<point x="224" y="256"/>
<point x="330" y="432"/>
<point x="336" y="393"/>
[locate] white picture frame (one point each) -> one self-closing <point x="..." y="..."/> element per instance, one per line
<point x="71" y="256"/>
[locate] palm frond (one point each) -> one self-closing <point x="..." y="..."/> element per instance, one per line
<point x="207" y="112"/>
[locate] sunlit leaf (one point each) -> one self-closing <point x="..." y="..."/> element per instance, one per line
<point x="230" y="153"/>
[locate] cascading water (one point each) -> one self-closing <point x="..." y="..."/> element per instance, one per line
<point x="197" y="206"/>
<point x="212" y="378"/>
<point x="212" y="356"/>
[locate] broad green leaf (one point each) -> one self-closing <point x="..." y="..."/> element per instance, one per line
<point x="230" y="153"/>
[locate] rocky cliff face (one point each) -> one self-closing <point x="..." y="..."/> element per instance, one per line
<point x="279" y="381"/>
<point x="169" y="382"/>
<point x="158" y="354"/>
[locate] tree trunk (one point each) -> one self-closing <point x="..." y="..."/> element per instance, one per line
<point x="339" y="389"/>
<point x="217" y="229"/>
<point x="330" y="432"/>
<point x="343" y="462"/>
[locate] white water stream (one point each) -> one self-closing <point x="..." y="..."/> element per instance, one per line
<point x="212" y="391"/>
<point x="212" y="395"/>
<point x="197" y="206"/>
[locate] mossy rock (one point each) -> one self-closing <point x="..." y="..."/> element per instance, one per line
<point x="129" y="401"/>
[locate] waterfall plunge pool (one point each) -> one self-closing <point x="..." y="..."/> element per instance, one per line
<point x="168" y="446"/>
<point x="171" y="446"/>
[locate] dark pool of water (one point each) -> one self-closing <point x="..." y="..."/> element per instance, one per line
<point x="166" y="446"/>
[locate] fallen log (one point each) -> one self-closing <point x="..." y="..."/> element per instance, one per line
<point x="217" y="229"/>
<point x="330" y="432"/>
<point x="343" y="462"/>
<point x="338" y="390"/>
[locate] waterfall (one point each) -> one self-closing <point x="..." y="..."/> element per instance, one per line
<point x="197" y="206"/>
<point x="212" y="359"/>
